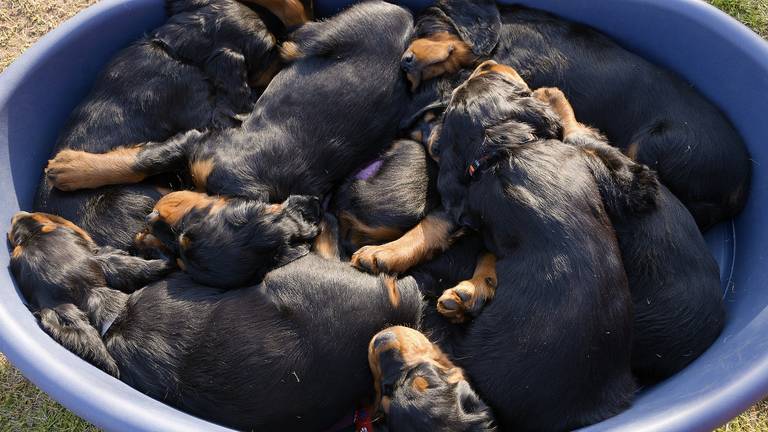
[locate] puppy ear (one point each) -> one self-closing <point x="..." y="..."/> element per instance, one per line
<point x="478" y="23"/>
<point x="291" y="253"/>
<point x="626" y="186"/>
<point x="70" y="327"/>
<point x="470" y="403"/>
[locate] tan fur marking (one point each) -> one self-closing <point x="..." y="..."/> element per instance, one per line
<point x="290" y="51"/>
<point x="51" y="222"/>
<point x="290" y="12"/>
<point x="17" y="251"/>
<point x="392" y="292"/>
<point x="414" y="348"/>
<point x="359" y="234"/>
<point x="420" y="384"/>
<point x="145" y="240"/>
<point x="480" y="289"/>
<point x="438" y="54"/>
<point x="72" y="170"/>
<point x="422" y="242"/>
<point x="172" y="207"/>
<point x="200" y="170"/>
<point x="184" y="242"/>
<point x="632" y="150"/>
<point x="491" y="66"/>
<point x="327" y="242"/>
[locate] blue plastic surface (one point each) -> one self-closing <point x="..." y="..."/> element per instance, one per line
<point x="724" y="60"/>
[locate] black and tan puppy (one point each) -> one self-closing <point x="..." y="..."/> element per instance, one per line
<point x="387" y="198"/>
<point x="562" y="311"/>
<point x="420" y="389"/>
<point x="652" y="115"/>
<point x="288" y="354"/>
<point x="201" y="69"/>
<point x="673" y="278"/>
<point x="295" y="142"/>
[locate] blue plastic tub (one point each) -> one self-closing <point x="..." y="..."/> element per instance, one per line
<point x="724" y="60"/>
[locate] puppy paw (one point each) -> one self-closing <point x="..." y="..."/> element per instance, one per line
<point x="380" y="259"/>
<point x="465" y="300"/>
<point x="69" y="170"/>
<point x="555" y="98"/>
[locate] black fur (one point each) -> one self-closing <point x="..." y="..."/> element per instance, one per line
<point x="287" y="146"/>
<point x="673" y="278"/>
<point x="287" y="354"/>
<point x="191" y="72"/>
<point x="397" y="196"/>
<point x="644" y="110"/>
<point x="562" y="311"/>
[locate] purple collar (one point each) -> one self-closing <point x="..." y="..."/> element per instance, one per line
<point x="371" y="170"/>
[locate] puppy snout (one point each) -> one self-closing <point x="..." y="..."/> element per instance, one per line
<point x="383" y="340"/>
<point x="19" y="215"/>
<point x="152" y="217"/>
<point x="408" y="61"/>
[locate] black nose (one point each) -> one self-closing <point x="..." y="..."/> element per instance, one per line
<point x="152" y="217"/>
<point x="408" y="60"/>
<point x="383" y="339"/>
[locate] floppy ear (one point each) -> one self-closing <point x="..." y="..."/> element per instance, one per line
<point x="292" y="253"/>
<point x="70" y="327"/>
<point x="626" y="187"/>
<point x="478" y="23"/>
<point x="471" y="404"/>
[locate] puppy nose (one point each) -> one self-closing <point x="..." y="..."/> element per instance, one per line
<point x="152" y="217"/>
<point x="383" y="339"/>
<point x="19" y="215"/>
<point x="408" y="60"/>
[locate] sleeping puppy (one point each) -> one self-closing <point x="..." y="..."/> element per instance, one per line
<point x="668" y="126"/>
<point x="673" y="278"/>
<point x="287" y="354"/>
<point x="199" y="70"/>
<point x="420" y="389"/>
<point x="387" y="198"/>
<point x="294" y="142"/>
<point x="562" y="311"/>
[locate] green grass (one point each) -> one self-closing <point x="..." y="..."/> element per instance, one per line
<point x="753" y="13"/>
<point x="25" y="408"/>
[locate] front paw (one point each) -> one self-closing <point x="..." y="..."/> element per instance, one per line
<point x="68" y="170"/>
<point x="380" y="259"/>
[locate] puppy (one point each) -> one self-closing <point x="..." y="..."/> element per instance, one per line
<point x="419" y="388"/>
<point x="668" y="126"/>
<point x="223" y="236"/>
<point x="387" y="198"/>
<point x="673" y="278"/>
<point x="287" y="354"/>
<point x="562" y="311"/>
<point x="199" y="70"/>
<point x="287" y="146"/>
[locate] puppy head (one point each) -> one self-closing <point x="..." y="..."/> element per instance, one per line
<point x="418" y="387"/>
<point x="451" y="35"/>
<point x="50" y="259"/>
<point x="489" y="116"/>
<point x="232" y="242"/>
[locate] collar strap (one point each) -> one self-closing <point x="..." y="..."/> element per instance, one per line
<point x="479" y="165"/>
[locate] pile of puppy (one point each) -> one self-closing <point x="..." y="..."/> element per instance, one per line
<point x="481" y="217"/>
